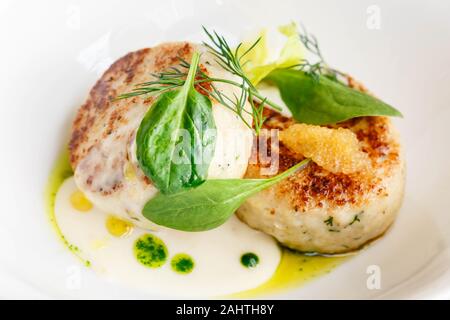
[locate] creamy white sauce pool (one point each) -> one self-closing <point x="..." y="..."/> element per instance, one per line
<point x="216" y="253"/>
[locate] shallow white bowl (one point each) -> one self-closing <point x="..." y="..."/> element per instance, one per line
<point x="53" y="51"/>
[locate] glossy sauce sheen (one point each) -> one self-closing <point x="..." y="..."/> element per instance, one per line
<point x="209" y="261"/>
<point x="142" y="259"/>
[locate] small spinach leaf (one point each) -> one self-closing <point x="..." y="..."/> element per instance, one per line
<point x="176" y="138"/>
<point x="324" y="101"/>
<point x="209" y="205"/>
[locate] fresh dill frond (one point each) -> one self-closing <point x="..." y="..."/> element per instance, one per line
<point x="230" y="60"/>
<point x="320" y="67"/>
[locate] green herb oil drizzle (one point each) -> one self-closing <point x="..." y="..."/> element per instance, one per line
<point x="60" y="172"/>
<point x="249" y="260"/>
<point x="150" y="251"/>
<point x="182" y="263"/>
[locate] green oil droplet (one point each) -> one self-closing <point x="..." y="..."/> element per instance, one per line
<point x="182" y="263"/>
<point x="150" y="251"/>
<point x="249" y="260"/>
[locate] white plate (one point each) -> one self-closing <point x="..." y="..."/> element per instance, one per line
<point x="53" y="51"/>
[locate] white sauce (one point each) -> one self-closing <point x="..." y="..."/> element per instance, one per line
<point x="216" y="253"/>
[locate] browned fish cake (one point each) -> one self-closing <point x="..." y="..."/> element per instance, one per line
<point x="319" y="211"/>
<point x="121" y="77"/>
<point x="103" y="147"/>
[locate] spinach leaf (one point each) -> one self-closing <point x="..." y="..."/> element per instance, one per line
<point x="324" y="101"/>
<point x="176" y="138"/>
<point x="209" y="205"/>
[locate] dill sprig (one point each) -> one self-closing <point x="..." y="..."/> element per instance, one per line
<point x="320" y="67"/>
<point x="231" y="61"/>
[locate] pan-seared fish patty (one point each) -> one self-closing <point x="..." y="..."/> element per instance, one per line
<point x="316" y="210"/>
<point x="103" y="148"/>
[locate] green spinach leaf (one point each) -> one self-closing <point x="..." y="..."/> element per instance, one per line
<point x="324" y="101"/>
<point x="209" y="205"/>
<point x="176" y="138"/>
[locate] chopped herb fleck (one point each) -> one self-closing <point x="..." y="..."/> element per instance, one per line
<point x="329" y="221"/>
<point x="355" y="218"/>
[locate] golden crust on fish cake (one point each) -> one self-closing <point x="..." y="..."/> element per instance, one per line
<point x="315" y="185"/>
<point x="315" y="210"/>
<point x="133" y="68"/>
